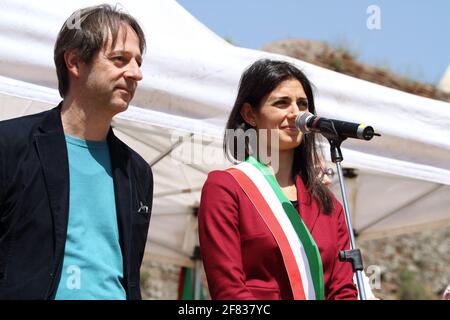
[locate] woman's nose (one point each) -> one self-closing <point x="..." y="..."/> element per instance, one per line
<point x="294" y="111"/>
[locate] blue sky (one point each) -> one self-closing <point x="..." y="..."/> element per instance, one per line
<point x="413" y="39"/>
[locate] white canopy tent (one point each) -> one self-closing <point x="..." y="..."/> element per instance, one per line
<point x="179" y="111"/>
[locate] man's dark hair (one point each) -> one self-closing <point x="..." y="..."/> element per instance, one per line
<point x="87" y="30"/>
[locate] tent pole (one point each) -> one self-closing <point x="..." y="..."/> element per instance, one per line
<point x="197" y="273"/>
<point x="196" y="167"/>
<point x="169" y="150"/>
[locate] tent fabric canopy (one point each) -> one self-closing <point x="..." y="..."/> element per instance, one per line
<point x="177" y="117"/>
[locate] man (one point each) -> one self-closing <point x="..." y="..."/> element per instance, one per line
<point x="75" y="201"/>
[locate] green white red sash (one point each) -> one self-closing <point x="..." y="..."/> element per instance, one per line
<point x="299" y="251"/>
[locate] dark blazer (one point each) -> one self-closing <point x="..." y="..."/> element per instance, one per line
<point x="240" y="255"/>
<point x="34" y="206"/>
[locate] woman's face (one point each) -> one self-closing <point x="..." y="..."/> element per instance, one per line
<point x="278" y="111"/>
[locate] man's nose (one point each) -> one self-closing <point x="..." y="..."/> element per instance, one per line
<point x="134" y="71"/>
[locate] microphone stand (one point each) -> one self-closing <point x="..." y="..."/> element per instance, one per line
<point x="353" y="255"/>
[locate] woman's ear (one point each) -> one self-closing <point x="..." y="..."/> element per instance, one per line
<point x="248" y="114"/>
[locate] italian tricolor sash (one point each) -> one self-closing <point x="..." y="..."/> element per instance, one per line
<point x="300" y="254"/>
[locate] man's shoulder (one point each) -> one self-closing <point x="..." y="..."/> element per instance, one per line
<point x="23" y="120"/>
<point x="21" y="127"/>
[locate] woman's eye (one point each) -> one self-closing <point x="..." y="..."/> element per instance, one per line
<point x="281" y="103"/>
<point x="302" y="104"/>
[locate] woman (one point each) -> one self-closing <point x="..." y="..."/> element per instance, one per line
<point x="268" y="228"/>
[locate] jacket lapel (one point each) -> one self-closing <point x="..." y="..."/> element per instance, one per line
<point x="309" y="210"/>
<point x="120" y="165"/>
<point x="52" y="152"/>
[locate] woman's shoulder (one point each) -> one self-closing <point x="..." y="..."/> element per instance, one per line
<point x="214" y="174"/>
<point x="220" y="188"/>
<point x="220" y="178"/>
<point x="222" y="182"/>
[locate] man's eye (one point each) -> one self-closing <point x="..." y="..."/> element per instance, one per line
<point x="119" y="59"/>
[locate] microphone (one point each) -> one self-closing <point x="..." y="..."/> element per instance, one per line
<point x="307" y="123"/>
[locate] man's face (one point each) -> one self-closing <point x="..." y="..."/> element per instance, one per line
<point x="110" y="79"/>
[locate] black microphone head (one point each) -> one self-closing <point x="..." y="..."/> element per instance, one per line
<point x="301" y="122"/>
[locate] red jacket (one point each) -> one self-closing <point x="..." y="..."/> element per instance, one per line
<point x="241" y="258"/>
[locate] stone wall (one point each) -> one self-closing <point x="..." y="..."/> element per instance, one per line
<point x="159" y="281"/>
<point x="413" y="266"/>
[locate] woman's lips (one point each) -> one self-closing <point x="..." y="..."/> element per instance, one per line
<point x="290" y="129"/>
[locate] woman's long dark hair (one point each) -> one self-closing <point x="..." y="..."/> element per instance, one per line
<point x="258" y="81"/>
